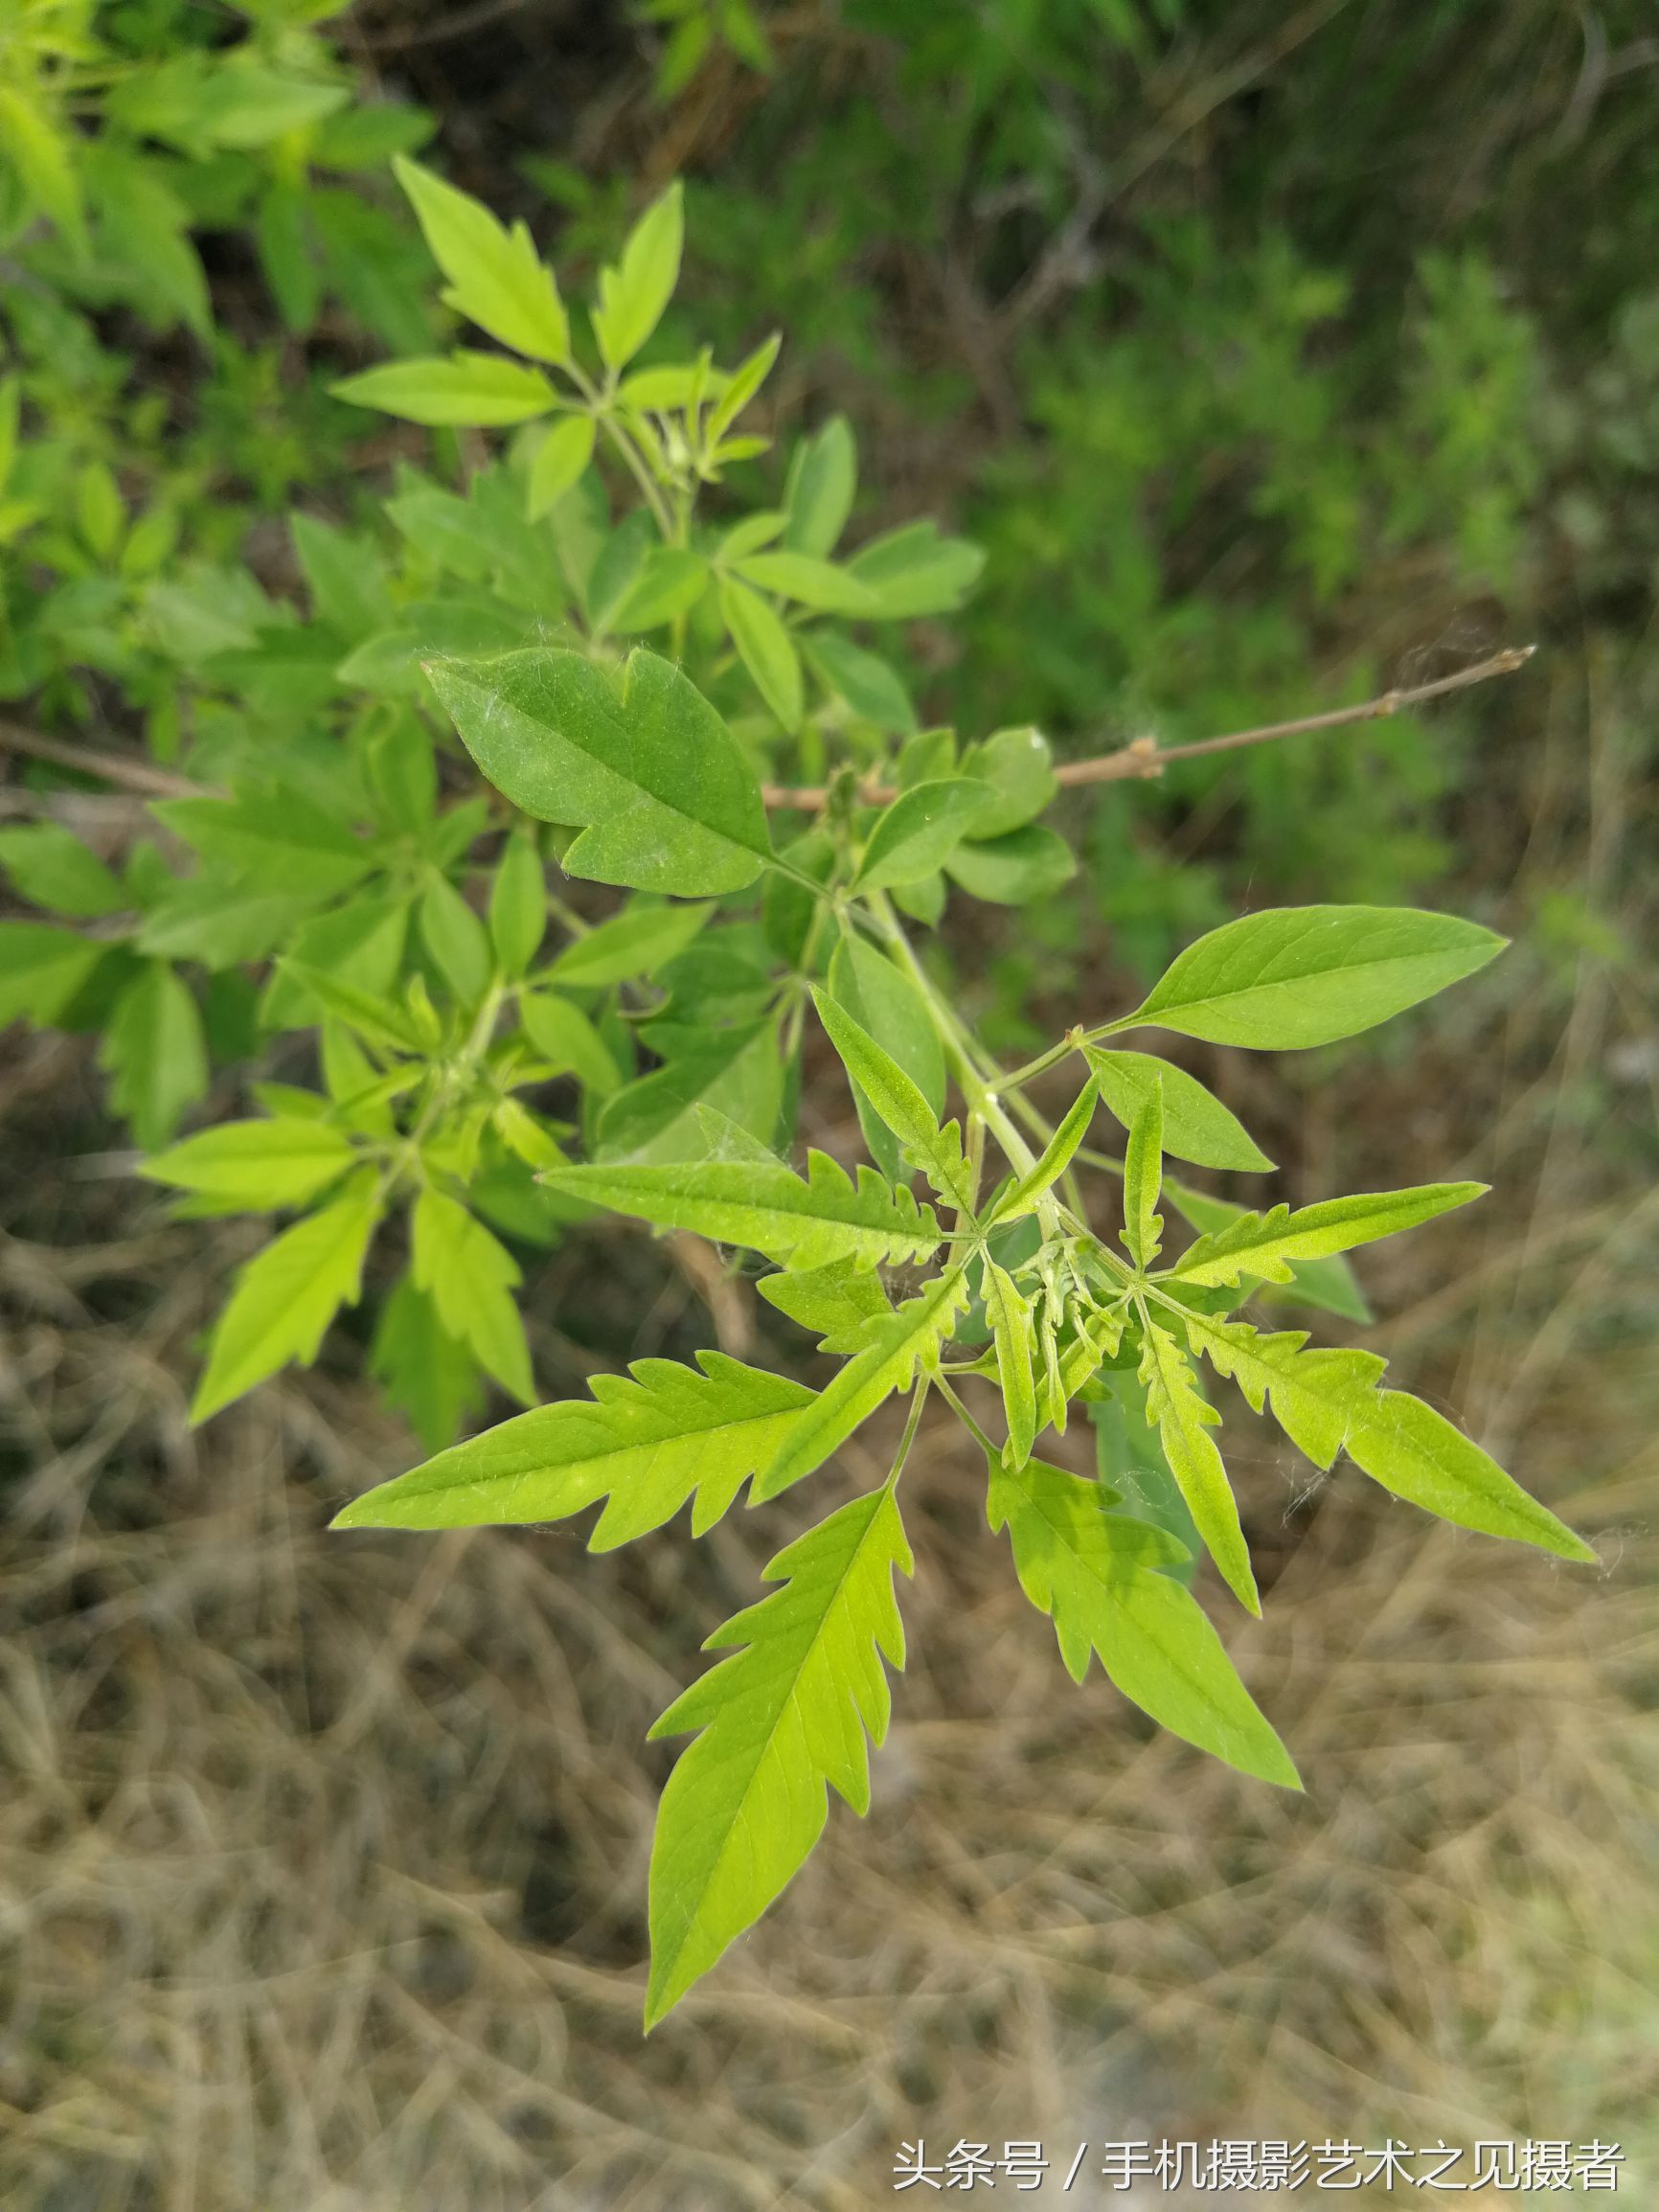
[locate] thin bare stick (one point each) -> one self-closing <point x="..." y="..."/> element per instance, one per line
<point x="1147" y="758"/>
<point x="133" y="775"/>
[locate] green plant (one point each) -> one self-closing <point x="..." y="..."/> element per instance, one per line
<point x="611" y="757"/>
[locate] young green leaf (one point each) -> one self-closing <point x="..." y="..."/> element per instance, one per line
<point x="52" y="868"/>
<point x="517" y="905"/>
<point x="260" y="1164"/>
<point x="918" y="831"/>
<point x="1055" y="1158"/>
<point x="645" y="1444"/>
<point x="665" y="800"/>
<point x="1101" y="1578"/>
<point x="899" y="1102"/>
<point x="1143" y="1179"/>
<point x="818" y="494"/>
<point x="883" y="1001"/>
<point x="746" y="381"/>
<point x="1011" y="1314"/>
<point x="1015" y="870"/>
<point x="1265" y="1245"/>
<point x="867" y="683"/>
<point x="561" y="460"/>
<point x="1018" y="770"/>
<point x="770" y="1210"/>
<point x="917" y="571"/>
<point x="496" y="277"/>
<point x="287" y="1295"/>
<point x="456" y="941"/>
<point x="815" y="583"/>
<point x="1296" y="976"/>
<point x="155" y="1053"/>
<point x="568" y="1040"/>
<point x="468" y="390"/>
<point x="641" y="939"/>
<point x="894" y="1346"/>
<point x="1184" y="1420"/>
<point x="632" y="295"/>
<point x="470" y="1277"/>
<point x="426" y="1374"/>
<point x="1330" y="1285"/>
<point x="1196" y="1125"/>
<point x="766" y="648"/>
<point x="779" y="1719"/>
<point x="42" y="969"/>
<point x="838" y="1302"/>
<point x="1416" y="1452"/>
<point x="376" y="1019"/>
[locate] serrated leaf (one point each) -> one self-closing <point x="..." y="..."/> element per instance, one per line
<point x="1297" y="976"/>
<point x="1196" y="1125"/>
<point x="1265" y="1245"/>
<point x="780" y="1718"/>
<point x="470" y="1277"/>
<point x="1326" y="1399"/>
<point x="895" y="1347"/>
<point x="898" y="1100"/>
<point x="770" y="1210"/>
<point x="287" y="1295"/>
<point x="665" y="798"/>
<point x="1098" y="1575"/>
<point x="283" y="1161"/>
<point x="1184" y="1420"/>
<point x="646" y="1443"/>
<point x="1328" y="1285"/>
<point x="496" y="277"/>
<point x="918" y="831"/>
<point x="1013" y="1331"/>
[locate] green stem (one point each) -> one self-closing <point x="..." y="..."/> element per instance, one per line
<point x="990" y="1450"/>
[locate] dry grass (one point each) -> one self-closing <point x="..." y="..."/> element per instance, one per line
<point x="321" y="1859"/>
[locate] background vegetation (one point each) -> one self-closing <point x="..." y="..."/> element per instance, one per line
<point x="1275" y="355"/>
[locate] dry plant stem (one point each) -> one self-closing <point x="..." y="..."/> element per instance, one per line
<point x="1146" y="758"/>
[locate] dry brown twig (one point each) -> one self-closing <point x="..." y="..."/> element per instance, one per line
<point x="1143" y="758"/>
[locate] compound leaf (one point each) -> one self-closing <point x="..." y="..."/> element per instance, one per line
<point x="260" y="1164"/>
<point x="470" y="1278"/>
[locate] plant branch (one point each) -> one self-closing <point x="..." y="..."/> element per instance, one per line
<point x="131" y="773"/>
<point x="1144" y="758"/>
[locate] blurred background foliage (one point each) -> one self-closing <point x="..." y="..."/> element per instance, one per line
<point x="1276" y="356"/>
